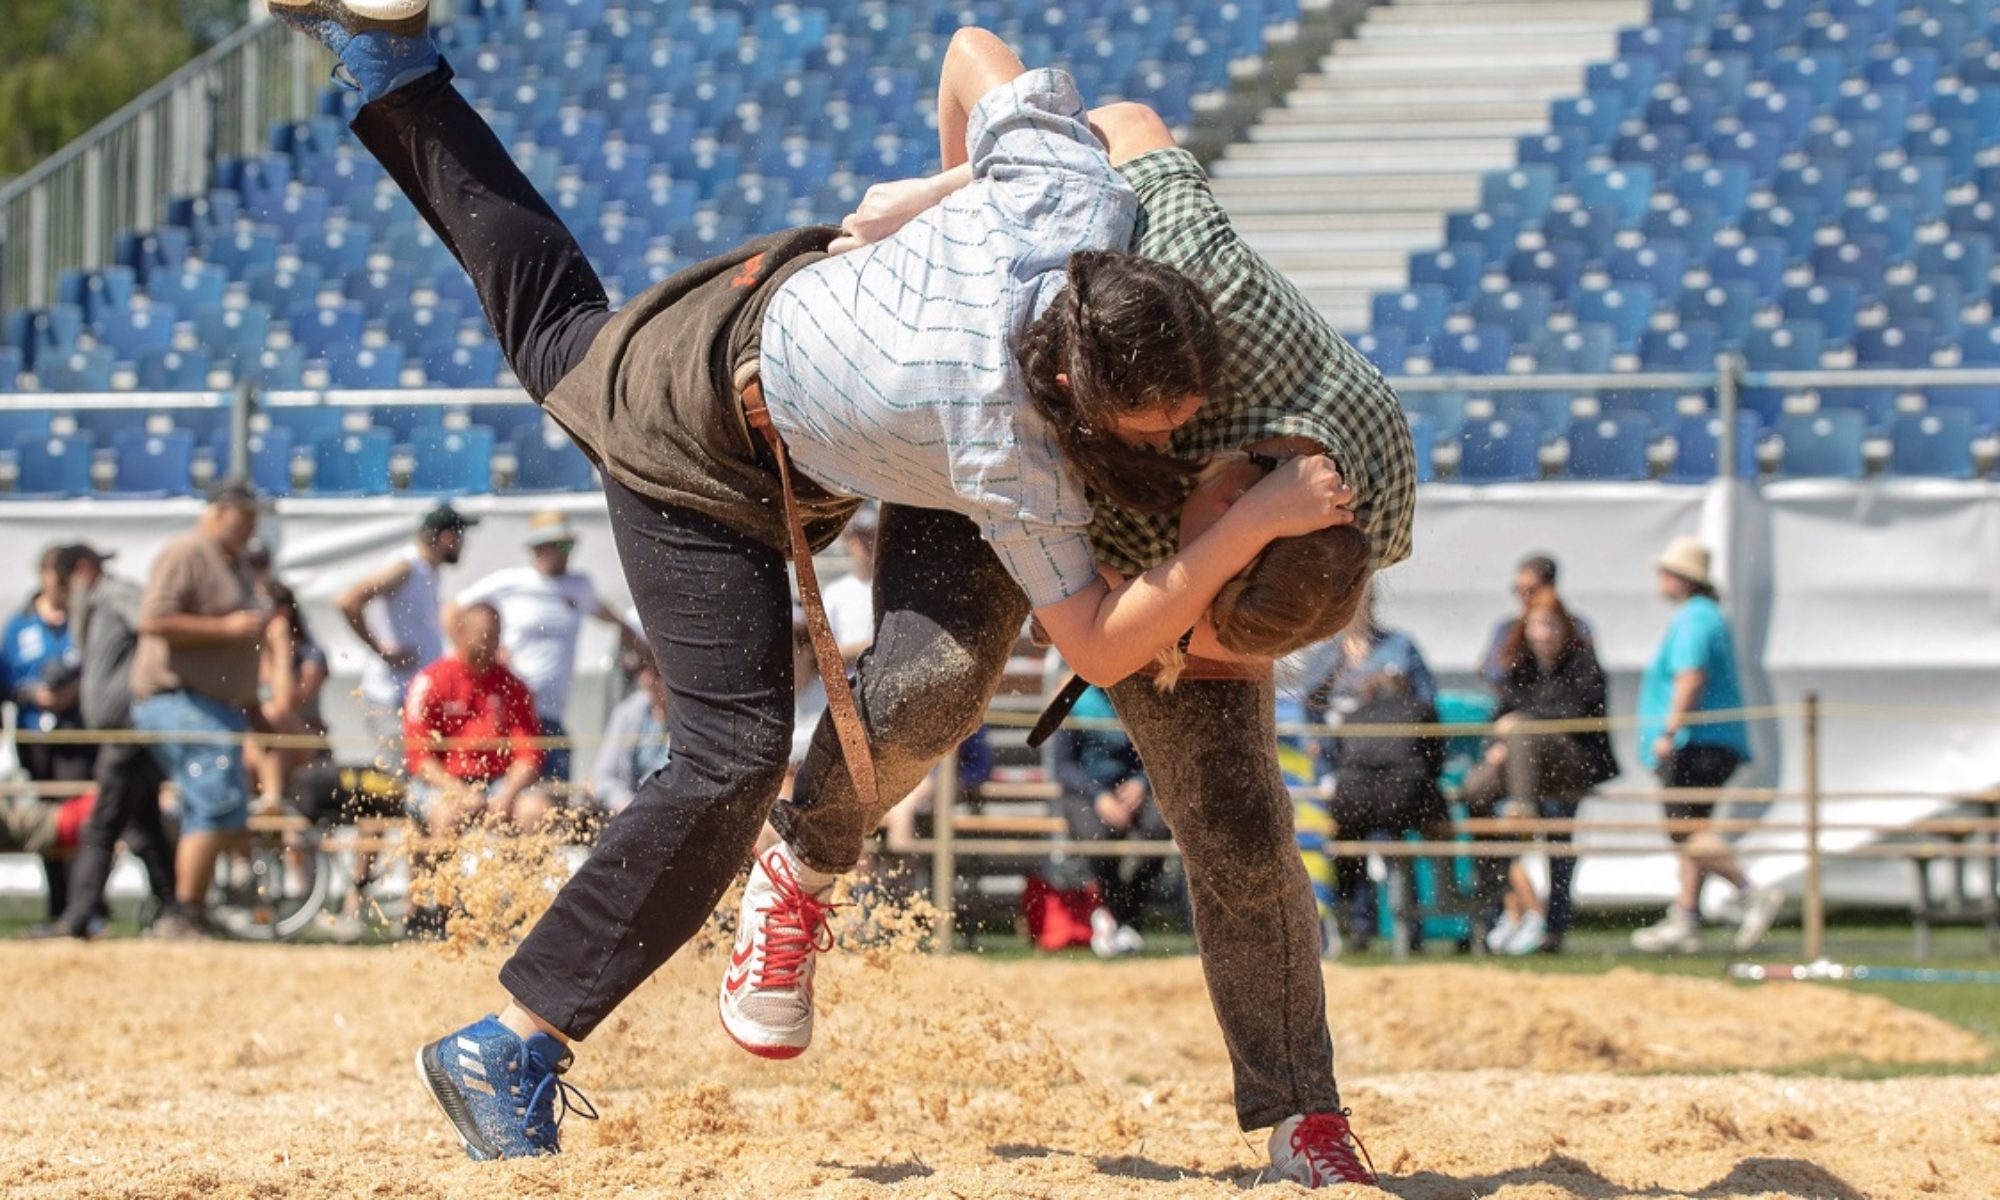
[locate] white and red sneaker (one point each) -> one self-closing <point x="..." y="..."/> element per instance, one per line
<point x="1319" y="1150"/>
<point x="767" y="993"/>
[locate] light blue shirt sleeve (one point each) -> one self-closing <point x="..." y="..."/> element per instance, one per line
<point x="1691" y="643"/>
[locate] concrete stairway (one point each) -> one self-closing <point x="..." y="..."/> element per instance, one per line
<point x="1365" y="157"/>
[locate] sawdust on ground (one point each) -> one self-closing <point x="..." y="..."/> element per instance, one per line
<point x="138" y="1070"/>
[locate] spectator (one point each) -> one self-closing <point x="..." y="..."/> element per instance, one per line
<point x="1534" y="582"/>
<point x="106" y="633"/>
<point x="38" y="667"/>
<point x="195" y="670"/>
<point x="1384" y="786"/>
<point x="290" y="678"/>
<point x="635" y="740"/>
<point x="1695" y="672"/>
<point x="394" y="612"/>
<point x="469" y="696"/>
<point x="1105" y="799"/>
<point x="542" y="607"/>
<point x="1551" y="674"/>
<point x="850" y="600"/>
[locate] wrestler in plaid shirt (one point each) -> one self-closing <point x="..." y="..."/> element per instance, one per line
<point x="1286" y="373"/>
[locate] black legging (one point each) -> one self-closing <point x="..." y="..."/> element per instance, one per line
<point x="128" y="806"/>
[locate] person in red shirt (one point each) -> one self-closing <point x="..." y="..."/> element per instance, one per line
<point x="468" y="696"/>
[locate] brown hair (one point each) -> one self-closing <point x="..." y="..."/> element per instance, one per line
<point x="1514" y="649"/>
<point x="1132" y="335"/>
<point x="1300" y="590"/>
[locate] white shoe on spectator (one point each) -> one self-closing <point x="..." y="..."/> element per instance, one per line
<point x="1128" y="941"/>
<point x="1761" y="907"/>
<point x="1503" y="932"/>
<point x="767" y="992"/>
<point x="1529" y="935"/>
<point x="1678" y="933"/>
<point x="1103" y="933"/>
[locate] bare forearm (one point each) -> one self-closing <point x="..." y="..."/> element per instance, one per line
<point x="1688" y="687"/>
<point x="1139" y="618"/>
<point x="975" y="64"/>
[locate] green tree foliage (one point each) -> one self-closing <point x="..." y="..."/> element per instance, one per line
<point x="67" y="64"/>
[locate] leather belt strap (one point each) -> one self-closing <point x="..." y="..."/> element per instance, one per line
<point x="832" y="670"/>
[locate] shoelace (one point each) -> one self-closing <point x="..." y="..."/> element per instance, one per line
<point x="795" y="926"/>
<point x="568" y="1094"/>
<point x="1328" y="1142"/>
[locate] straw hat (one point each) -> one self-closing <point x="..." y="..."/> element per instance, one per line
<point x="549" y="528"/>
<point x="1686" y="557"/>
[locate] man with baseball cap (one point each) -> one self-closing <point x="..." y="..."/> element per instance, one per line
<point x="1694" y="672"/>
<point x="542" y="607"/>
<point x="395" y="613"/>
<point x="106" y="630"/>
<point x="195" y="671"/>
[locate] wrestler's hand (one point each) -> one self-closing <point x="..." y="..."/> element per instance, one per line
<point x="884" y="208"/>
<point x="1302" y="495"/>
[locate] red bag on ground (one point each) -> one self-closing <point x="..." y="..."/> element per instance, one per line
<point x="1058" y="919"/>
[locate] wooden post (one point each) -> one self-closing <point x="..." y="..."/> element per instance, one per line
<point x="944" y="855"/>
<point x="1815" y="901"/>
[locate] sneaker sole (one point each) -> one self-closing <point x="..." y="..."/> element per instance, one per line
<point x="452" y="1105"/>
<point x="775" y="1053"/>
<point x="405" y="18"/>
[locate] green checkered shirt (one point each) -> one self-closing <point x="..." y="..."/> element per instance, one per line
<point x="1286" y="373"/>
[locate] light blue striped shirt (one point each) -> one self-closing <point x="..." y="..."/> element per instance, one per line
<point x="890" y="370"/>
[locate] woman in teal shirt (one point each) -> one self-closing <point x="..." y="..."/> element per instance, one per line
<point x="1695" y="671"/>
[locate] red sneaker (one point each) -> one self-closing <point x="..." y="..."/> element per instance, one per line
<point x="1319" y="1150"/>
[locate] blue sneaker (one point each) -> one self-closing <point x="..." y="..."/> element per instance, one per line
<point x="499" y="1091"/>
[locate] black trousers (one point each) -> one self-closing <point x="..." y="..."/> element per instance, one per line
<point x="56" y="763"/>
<point x="715" y="604"/>
<point x="128" y="806"/>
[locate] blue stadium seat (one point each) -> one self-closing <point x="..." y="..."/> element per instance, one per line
<point x="1658" y="264"/>
<point x="105" y="424"/>
<point x="376" y="289"/>
<point x="1892" y="222"/>
<point x="1549" y="409"/>
<point x="76" y="371"/>
<point x="1690" y="222"/>
<point x="1446" y="410"/>
<point x="353" y="464"/>
<point x="1658" y="149"/>
<point x="1833" y="303"/>
<point x="1584" y="350"/>
<point x="1726" y="307"/>
<point x="1385" y="347"/>
<point x="1892" y="346"/>
<point x="406" y="421"/>
<point x="1611" y="447"/>
<point x="1499" y="451"/>
<point x="1626" y="307"/>
<point x="194" y="286"/>
<point x="1822" y="444"/>
<point x="1930" y="302"/>
<point x="1528" y="190"/>
<point x="1664" y="42"/>
<point x="1557" y="267"/>
<point x="1759" y="262"/>
<point x="277" y="367"/>
<point x="1597" y="122"/>
<point x="152" y="464"/>
<point x="53" y="468"/>
<point x="1965" y="260"/>
<point x="131" y="333"/>
<point x="1920" y="182"/>
<point x="1862" y="260"/>
<point x="328" y="330"/>
<point x="1624" y="189"/>
<point x="1817" y="74"/>
<point x="367" y="367"/>
<point x="1418" y="311"/>
<point x="1697" y="442"/>
<point x="234" y="333"/>
<point x="1691" y="347"/>
<point x="1980" y="344"/>
<point x="465" y="366"/>
<point x="1589" y="231"/>
<point x="1755" y="147"/>
<point x="279" y="289"/>
<point x="1624" y="81"/>
<point x="336" y="250"/>
<point x="1792" y="346"/>
<point x="1792" y="225"/>
<point x="1481" y="351"/>
<point x="547" y="461"/>
<point x="452" y="461"/>
<point x="1825" y="184"/>
<point x="1423" y="442"/>
<point x="1723" y="185"/>
<point x="1877" y="405"/>
<point x="174" y="371"/>
<point x="1936" y="443"/>
<point x="1565" y="151"/>
<point x="12" y="363"/>
<point x="1522" y="310"/>
<point x="1783" y="112"/>
<point x="1455" y="268"/>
